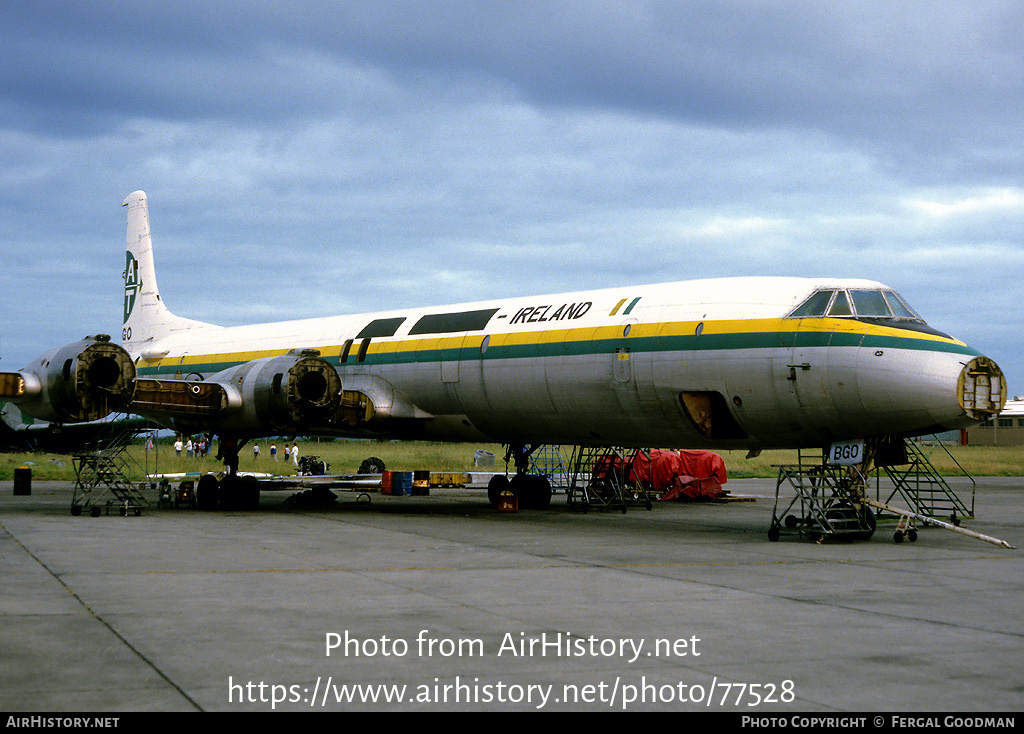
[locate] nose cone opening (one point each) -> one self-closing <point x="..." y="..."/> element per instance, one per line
<point x="981" y="389"/>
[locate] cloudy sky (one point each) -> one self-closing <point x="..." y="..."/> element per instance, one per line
<point x="311" y="159"/>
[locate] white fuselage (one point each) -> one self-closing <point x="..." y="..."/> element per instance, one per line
<point x="690" y="364"/>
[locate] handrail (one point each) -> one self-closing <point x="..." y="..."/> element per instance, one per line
<point x="974" y="484"/>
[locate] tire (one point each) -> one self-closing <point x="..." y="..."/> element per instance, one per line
<point x="521" y="486"/>
<point x="867" y="519"/>
<point x="372" y="465"/>
<point x="497" y="485"/>
<point x="229" y="492"/>
<point x="249" y="494"/>
<point x="540" y="488"/>
<point x="206" y="492"/>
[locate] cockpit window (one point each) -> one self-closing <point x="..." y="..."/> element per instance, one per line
<point x="870" y="303"/>
<point x="841" y="305"/>
<point x="857" y="302"/>
<point x="899" y="307"/>
<point x="813" y="306"/>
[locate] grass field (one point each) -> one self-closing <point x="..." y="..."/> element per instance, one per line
<point x="345" y="457"/>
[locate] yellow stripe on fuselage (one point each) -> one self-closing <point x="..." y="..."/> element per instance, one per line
<point x="663" y="329"/>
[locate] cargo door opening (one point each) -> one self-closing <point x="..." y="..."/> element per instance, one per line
<point x="981" y="389"/>
<point x="710" y="415"/>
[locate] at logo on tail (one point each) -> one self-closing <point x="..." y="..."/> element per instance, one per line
<point x="132" y="283"/>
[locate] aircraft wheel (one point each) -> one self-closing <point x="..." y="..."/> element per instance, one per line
<point x="897" y="536"/>
<point x="206" y="492"/>
<point x="911" y="535"/>
<point x="540" y="488"/>
<point x="229" y="492"/>
<point x="497" y="485"/>
<point x="868" y="522"/>
<point x="248" y="494"/>
<point x="520" y="486"/>
<point x="533" y="491"/>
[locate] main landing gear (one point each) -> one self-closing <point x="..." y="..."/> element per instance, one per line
<point x="533" y="491"/>
<point x="231" y="492"/>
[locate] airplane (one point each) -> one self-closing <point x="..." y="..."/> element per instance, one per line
<point x="731" y="363"/>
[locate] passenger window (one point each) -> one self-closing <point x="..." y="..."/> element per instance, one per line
<point x="813" y="306"/>
<point x="841" y="306"/>
<point x="870" y="304"/>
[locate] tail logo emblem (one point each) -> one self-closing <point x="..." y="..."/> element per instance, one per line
<point x="132" y="283"/>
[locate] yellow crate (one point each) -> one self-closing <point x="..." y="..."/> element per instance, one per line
<point x="448" y="479"/>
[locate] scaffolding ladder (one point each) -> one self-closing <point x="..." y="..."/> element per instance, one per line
<point x="827" y="503"/>
<point x="547" y="461"/>
<point x="924" y="490"/>
<point x="601" y="478"/>
<point x="831" y="500"/>
<point x="103" y="477"/>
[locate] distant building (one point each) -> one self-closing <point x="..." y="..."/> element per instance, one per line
<point x="1006" y="429"/>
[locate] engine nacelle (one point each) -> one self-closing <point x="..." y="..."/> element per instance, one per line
<point x="373" y="406"/>
<point x="285" y="394"/>
<point x="78" y="382"/>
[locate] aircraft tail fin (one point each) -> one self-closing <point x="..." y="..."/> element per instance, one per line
<point x="146" y="318"/>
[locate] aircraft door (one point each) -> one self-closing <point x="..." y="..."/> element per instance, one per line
<point x="815" y="375"/>
<point x="470" y="377"/>
<point x="622" y="357"/>
<point x="622" y="368"/>
<point x="450" y="356"/>
<point x="794" y="374"/>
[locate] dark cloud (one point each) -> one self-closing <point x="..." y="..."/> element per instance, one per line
<point x="539" y="146"/>
<point x="916" y="71"/>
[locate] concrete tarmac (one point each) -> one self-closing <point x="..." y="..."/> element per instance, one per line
<point x="448" y="605"/>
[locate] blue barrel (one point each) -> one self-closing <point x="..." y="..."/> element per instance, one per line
<point x="402" y="485"/>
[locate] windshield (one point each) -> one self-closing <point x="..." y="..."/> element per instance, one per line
<point x="861" y="303"/>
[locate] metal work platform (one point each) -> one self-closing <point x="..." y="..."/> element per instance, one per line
<point x="924" y="490"/>
<point x="601" y="478"/>
<point x="103" y="477"/>
<point x="547" y="461"/>
<point x="831" y="500"/>
<point x="826" y="503"/>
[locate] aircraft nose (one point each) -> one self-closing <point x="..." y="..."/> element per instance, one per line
<point x="927" y="390"/>
<point x="981" y="389"/>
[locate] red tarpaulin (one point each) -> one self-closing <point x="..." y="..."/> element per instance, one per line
<point x="690" y="475"/>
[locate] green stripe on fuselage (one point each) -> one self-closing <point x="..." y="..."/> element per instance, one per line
<point x="579" y="342"/>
